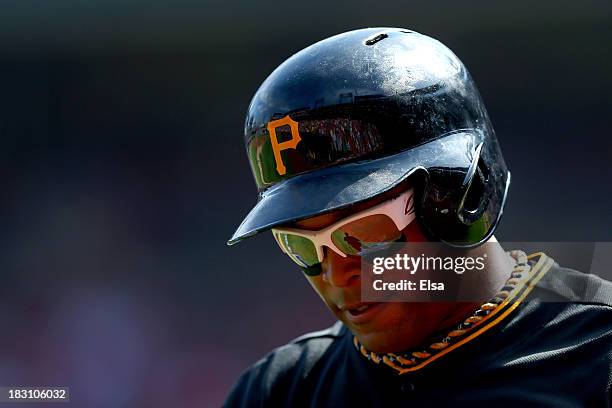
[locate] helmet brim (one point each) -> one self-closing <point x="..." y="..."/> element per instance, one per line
<point x="311" y="194"/>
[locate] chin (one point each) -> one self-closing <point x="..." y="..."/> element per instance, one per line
<point x="394" y="333"/>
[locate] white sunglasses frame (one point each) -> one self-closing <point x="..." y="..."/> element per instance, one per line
<point x="400" y="209"/>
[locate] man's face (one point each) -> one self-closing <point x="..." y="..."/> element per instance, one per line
<point x="381" y="327"/>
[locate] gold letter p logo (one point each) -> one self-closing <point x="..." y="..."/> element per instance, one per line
<point x="289" y="144"/>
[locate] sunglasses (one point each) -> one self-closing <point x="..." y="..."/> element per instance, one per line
<point x="359" y="234"/>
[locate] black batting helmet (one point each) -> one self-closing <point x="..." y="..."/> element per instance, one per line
<point x="354" y="115"/>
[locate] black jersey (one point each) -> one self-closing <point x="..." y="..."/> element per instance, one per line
<point x="551" y="349"/>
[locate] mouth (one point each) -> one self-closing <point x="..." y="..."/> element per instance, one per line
<point x="360" y="313"/>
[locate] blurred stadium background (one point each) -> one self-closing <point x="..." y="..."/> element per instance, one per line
<point x="123" y="173"/>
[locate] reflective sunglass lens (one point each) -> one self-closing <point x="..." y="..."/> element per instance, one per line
<point x="301" y="250"/>
<point x="367" y="234"/>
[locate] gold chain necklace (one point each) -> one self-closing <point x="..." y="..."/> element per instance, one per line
<point x="404" y="361"/>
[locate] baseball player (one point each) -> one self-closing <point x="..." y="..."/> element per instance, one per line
<point x="379" y="136"/>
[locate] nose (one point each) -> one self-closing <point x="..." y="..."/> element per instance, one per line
<point x="340" y="271"/>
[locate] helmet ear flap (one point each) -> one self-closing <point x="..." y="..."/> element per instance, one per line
<point x="475" y="199"/>
<point x="454" y="209"/>
<point x="419" y="181"/>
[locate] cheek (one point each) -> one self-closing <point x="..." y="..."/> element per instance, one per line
<point x="315" y="281"/>
<point x="414" y="233"/>
<point x="319" y="286"/>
